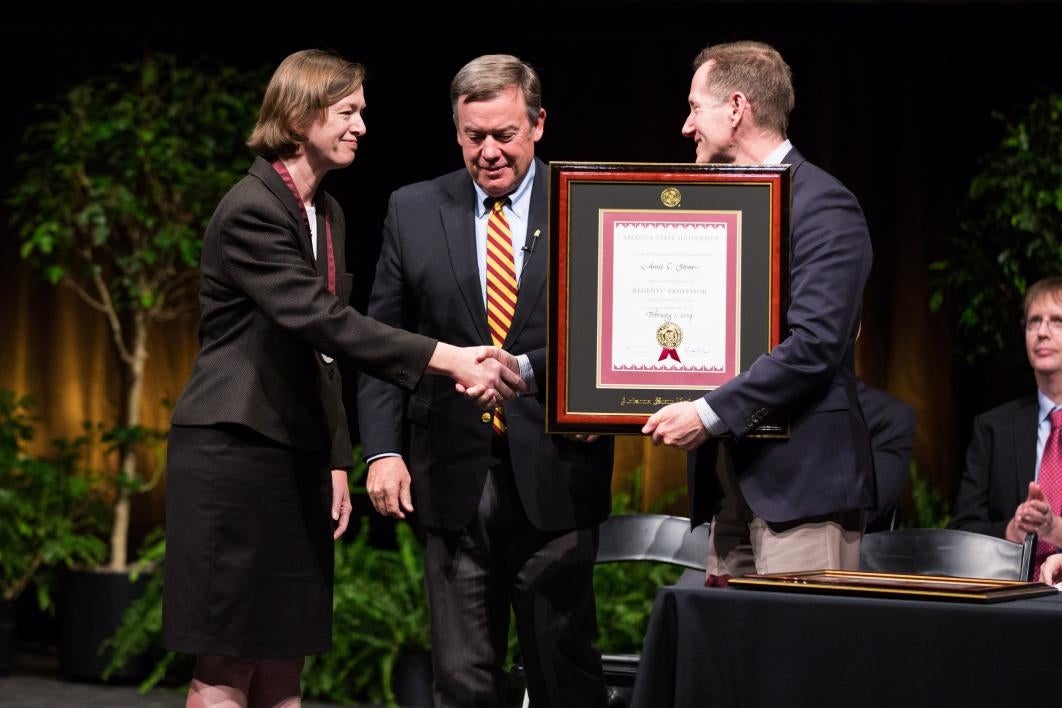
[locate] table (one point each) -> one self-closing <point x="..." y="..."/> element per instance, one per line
<point x="739" y="647"/>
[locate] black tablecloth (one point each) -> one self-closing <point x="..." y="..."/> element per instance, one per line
<point x="731" y="647"/>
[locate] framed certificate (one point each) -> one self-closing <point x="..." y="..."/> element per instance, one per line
<point x="665" y="281"/>
<point x="898" y="585"/>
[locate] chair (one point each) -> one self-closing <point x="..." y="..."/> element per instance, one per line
<point x="947" y="552"/>
<point x="643" y="537"/>
<point x="653" y="537"/>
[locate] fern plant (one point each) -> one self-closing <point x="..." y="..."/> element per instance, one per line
<point x="48" y="516"/>
<point x="379" y="612"/>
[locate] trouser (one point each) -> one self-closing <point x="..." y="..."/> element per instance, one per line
<point x="500" y="561"/>
<point x="739" y="542"/>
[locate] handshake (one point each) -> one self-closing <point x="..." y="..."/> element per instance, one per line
<point x="485" y="375"/>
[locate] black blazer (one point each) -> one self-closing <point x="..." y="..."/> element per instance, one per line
<point x="1000" y="463"/>
<point x="427" y="281"/>
<point x="891" y="423"/>
<point x="825" y="466"/>
<point x="266" y="313"/>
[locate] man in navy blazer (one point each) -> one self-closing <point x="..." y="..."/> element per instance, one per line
<point x="799" y="503"/>
<point x="510" y="521"/>
<point x="1000" y="493"/>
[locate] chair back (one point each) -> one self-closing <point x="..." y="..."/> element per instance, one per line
<point x="653" y="537"/>
<point x="947" y="552"/>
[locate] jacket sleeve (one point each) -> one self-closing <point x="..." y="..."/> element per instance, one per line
<point x="260" y="252"/>
<point x="971" y="510"/>
<point x="831" y="259"/>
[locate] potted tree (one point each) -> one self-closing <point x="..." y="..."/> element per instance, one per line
<point x="47" y="515"/>
<point x="116" y="180"/>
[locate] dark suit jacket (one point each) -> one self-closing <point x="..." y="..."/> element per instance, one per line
<point x="825" y="466"/>
<point x="427" y="281"/>
<point x="891" y="423"/>
<point x="266" y="312"/>
<point x="1000" y="463"/>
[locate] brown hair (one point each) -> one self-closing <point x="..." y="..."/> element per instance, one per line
<point x="485" y="77"/>
<point x="302" y="88"/>
<point x="756" y="70"/>
<point x="1046" y="286"/>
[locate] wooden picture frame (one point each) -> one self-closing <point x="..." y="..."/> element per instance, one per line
<point x="665" y="282"/>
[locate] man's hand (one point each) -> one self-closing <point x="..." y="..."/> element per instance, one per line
<point x="1033" y="515"/>
<point x="1051" y="570"/>
<point x="677" y="425"/>
<point x="388" y="485"/>
<point x="484" y="397"/>
<point x="483" y="374"/>
<point x="341" y="505"/>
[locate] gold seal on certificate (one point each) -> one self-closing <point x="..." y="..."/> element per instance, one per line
<point x="671" y="197"/>
<point x="669" y="336"/>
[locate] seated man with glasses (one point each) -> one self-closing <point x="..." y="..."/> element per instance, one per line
<point x="1012" y="484"/>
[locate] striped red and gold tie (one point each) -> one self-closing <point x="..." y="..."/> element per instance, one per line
<point x="501" y="284"/>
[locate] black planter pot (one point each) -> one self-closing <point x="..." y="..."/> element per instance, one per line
<point x="90" y="609"/>
<point x="7" y="637"/>
<point x="412" y="679"/>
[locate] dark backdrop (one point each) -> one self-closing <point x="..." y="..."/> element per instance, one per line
<point x="896" y="99"/>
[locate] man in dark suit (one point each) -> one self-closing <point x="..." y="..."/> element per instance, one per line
<point x="799" y="503"/>
<point x="510" y="513"/>
<point x="1000" y="493"/>
<point x="891" y="423"/>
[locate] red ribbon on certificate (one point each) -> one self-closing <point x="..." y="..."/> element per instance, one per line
<point x="666" y="352"/>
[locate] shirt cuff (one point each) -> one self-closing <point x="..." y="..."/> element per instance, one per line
<point x="369" y="460"/>
<point x="709" y="419"/>
<point x="527" y="373"/>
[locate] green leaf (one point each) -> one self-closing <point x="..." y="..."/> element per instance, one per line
<point x="1010" y="225"/>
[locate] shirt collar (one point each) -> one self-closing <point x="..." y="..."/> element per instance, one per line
<point x="779" y="153"/>
<point x="519" y="200"/>
<point x="1046" y="405"/>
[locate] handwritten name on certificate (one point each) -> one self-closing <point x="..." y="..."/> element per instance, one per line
<point x="668" y="299"/>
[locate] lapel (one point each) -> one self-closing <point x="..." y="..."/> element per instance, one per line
<point x="264" y="171"/>
<point x="459" y="229"/>
<point x="1023" y="428"/>
<point x="533" y="274"/>
<point x="320" y="261"/>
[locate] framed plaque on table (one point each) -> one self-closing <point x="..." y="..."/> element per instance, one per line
<point x="665" y="282"/>
<point x="898" y="585"/>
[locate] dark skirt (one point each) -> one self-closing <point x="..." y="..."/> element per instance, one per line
<point x="249" y="549"/>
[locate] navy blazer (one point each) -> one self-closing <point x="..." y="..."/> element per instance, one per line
<point x="427" y="281"/>
<point x="825" y="466"/>
<point x="266" y="312"/>
<point x="1000" y="463"/>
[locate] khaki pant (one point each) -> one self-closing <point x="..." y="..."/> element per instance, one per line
<point x="740" y="542"/>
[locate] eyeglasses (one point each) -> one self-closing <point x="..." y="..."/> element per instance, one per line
<point x="1054" y="325"/>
